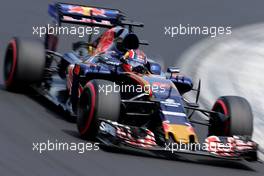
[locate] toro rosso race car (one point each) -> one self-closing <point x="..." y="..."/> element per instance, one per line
<point x="121" y="97"/>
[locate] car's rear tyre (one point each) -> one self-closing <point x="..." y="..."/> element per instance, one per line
<point x="24" y="63"/>
<point x="239" y="119"/>
<point x="96" y="104"/>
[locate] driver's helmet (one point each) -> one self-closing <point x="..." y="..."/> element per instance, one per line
<point x="135" y="58"/>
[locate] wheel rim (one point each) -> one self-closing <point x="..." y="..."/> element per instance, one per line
<point x="221" y="107"/>
<point x="87" y="108"/>
<point x="10" y="63"/>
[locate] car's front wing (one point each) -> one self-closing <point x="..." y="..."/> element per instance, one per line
<point x="110" y="138"/>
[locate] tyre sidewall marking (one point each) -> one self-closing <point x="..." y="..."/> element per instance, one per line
<point x="92" y="108"/>
<point x="10" y="78"/>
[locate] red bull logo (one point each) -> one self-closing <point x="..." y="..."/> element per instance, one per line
<point x="87" y="11"/>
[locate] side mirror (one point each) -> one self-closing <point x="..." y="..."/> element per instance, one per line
<point x="154" y="68"/>
<point x="173" y="70"/>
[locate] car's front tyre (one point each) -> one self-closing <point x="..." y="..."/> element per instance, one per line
<point x="238" y="117"/>
<point x="95" y="103"/>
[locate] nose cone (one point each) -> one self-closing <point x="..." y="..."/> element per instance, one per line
<point x="181" y="133"/>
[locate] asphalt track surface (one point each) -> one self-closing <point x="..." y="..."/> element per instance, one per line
<point x="27" y="119"/>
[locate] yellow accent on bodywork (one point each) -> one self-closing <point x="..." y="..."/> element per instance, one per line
<point x="90" y="50"/>
<point x="181" y="133"/>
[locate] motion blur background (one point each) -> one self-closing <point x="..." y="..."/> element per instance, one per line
<point x="230" y="65"/>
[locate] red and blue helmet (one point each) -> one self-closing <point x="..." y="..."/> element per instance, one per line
<point x="135" y="58"/>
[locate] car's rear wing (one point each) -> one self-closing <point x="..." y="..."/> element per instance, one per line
<point x="88" y="15"/>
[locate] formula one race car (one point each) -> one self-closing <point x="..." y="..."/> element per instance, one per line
<point x="121" y="97"/>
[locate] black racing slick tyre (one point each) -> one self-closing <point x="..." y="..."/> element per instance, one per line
<point x="96" y="104"/>
<point x="24" y="63"/>
<point x="238" y="117"/>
